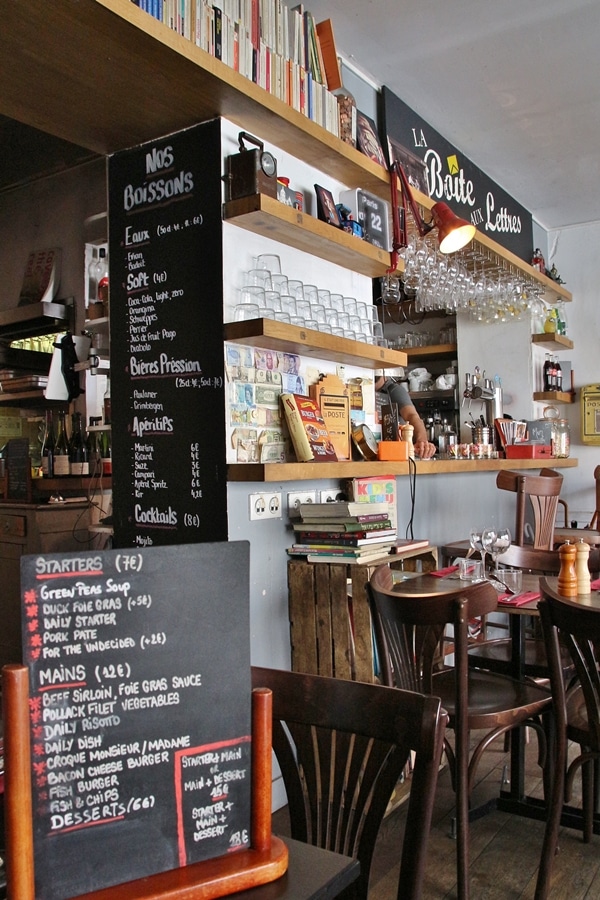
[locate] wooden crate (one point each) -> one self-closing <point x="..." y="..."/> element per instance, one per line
<point x="330" y="620"/>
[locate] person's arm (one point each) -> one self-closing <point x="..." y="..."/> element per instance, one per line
<point x="423" y="448"/>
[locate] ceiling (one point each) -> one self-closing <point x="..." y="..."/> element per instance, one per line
<point x="514" y="85"/>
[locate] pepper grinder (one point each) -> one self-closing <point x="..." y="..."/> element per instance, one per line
<point x="581" y="567"/>
<point x="407" y="431"/>
<point x="567" y="577"/>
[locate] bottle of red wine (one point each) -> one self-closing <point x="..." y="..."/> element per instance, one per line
<point x="78" y="453"/>
<point x="61" y="449"/>
<point x="48" y="447"/>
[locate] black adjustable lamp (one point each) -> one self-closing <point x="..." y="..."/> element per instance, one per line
<point x="454" y="233"/>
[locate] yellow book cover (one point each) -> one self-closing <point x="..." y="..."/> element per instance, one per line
<point x="310" y="438"/>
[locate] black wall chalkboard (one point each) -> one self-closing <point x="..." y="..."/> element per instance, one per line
<point x="166" y="339"/>
<point x="140" y="708"/>
<point x="18" y="467"/>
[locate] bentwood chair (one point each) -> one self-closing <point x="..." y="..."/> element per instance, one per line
<point x="409" y="620"/>
<point x="342" y="746"/>
<point x="577" y="713"/>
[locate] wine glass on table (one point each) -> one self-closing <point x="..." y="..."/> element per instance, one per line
<point x="496" y="541"/>
<point x="476" y="544"/>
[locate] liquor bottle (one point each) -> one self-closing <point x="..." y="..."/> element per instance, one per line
<point x="102" y="278"/>
<point x="78" y="456"/>
<point x="48" y="447"/>
<point x="61" y="449"/>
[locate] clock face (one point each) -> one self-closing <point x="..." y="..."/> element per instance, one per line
<point x="267" y="163"/>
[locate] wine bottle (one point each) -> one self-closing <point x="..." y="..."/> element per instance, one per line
<point x="61" y="449"/>
<point x="106" y="404"/>
<point x="78" y="455"/>
<point x="93" y="449"/>
<point x="106" y="453"/>
<point x="48" y="447"/>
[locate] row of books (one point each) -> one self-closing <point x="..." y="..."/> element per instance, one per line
<point x="280" y="48"/>
<point x="343" y="531"/>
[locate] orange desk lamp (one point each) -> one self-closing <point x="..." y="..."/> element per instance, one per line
<point x="454" y="233"/>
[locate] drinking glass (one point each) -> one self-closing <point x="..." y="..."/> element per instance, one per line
<point x="244" y="311"/>
<point x="273" y="299"/>
<point x="252" y="293"/>
<point x="311" y="293"/>
<point x="496" y="541"/>
<point x="269" y="261"/>
<point x="295" y="288"/>
<point x="280" y="282"/>
<point x="261" y="277"/>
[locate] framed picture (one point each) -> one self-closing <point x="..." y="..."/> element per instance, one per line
<point x="413" y="165"/>
<point x="326" y="210"/>
<point x="368" y="139"/>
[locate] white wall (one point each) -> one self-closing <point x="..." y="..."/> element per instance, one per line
<point x="576" y="258"/>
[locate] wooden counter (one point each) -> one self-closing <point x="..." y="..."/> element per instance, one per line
<point x="296" y="471"/>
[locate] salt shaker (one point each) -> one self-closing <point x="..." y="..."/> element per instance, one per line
<point x="567" y="577"/>
<point x="581" y="567"/>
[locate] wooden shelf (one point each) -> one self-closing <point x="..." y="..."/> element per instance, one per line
<point x="280" y="472"/>
<point x="100" y="325"/>
<point x="163" y="81"/>
<point x="32" y="399"/>
<point x="273" y="335"/>
<point x="164" y="84"/>
<point x="34" y="319"/>
<point x="552" y="341"/>
<point x="553" y="396"/>
<point x="432" y="351"/>
<point x="269" y="217"/>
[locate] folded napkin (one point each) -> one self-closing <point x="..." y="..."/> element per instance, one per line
<point x="441" y="573"/>
<point x="518" y="599"/>
<point x="595" y="585"/>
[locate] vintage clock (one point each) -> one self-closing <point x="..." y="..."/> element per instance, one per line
<point x="590" y="414"/>
<point x="372" y="213"/>
<point x="251" y="171"/>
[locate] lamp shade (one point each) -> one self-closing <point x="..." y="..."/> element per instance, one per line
<point x="453" y="233"/>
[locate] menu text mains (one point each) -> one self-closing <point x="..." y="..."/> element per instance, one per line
<point x="139" y="710"/>
<point x="167" y="366"/>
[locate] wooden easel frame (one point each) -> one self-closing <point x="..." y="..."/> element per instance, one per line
<point x="266" y="860"/>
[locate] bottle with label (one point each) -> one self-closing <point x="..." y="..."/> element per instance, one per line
<point x="557" y="374"/>
<point x="78" y="454"/>
<point x="61" y="449"/>
<point x="102" y="278"/>
<point x="106" y="450"/>
<point x="347" y="115"/>
<point x="48" y="447"/>
<point x="92" y="283"/>
<point x="93" y="448"/>
<point x="547" y="367"/>
<point x="106" y="407"/>
<point x="561" y="439"/>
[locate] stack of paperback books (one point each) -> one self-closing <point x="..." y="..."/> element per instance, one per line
<point x="343" y="531"/>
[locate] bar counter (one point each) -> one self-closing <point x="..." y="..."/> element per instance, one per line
<point x="311" y="471"/>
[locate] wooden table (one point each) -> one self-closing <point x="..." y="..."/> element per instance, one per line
<point x="313" y="874"/>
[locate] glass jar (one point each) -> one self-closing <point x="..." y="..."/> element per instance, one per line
<point x="347" y="115"/>
<point x="561" y="439"/>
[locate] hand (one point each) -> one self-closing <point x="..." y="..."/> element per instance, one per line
<point x="424" y="450"/>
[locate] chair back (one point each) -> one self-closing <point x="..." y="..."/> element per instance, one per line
<point x="342" y="746"/>
<point x="577" y="627"/>
<point x="539" y="562"/>
<point x="409" y="627"/>
<point x="543" y="492"/>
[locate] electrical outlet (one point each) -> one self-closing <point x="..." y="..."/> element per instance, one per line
<point x="295" y="498"/>
<point x="264" y="506"/>
<point x="330" y="496"/>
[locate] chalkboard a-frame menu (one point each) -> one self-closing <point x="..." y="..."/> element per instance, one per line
<point x="140" y="711"/>
<point x="166" y="340"/>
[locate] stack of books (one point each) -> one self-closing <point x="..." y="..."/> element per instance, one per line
<point x="343" y="531"/>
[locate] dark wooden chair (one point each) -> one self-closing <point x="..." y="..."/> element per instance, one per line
<point x="577" y="713"/>
<point x="342" y="746"/>
<point x="409" y="624"/>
